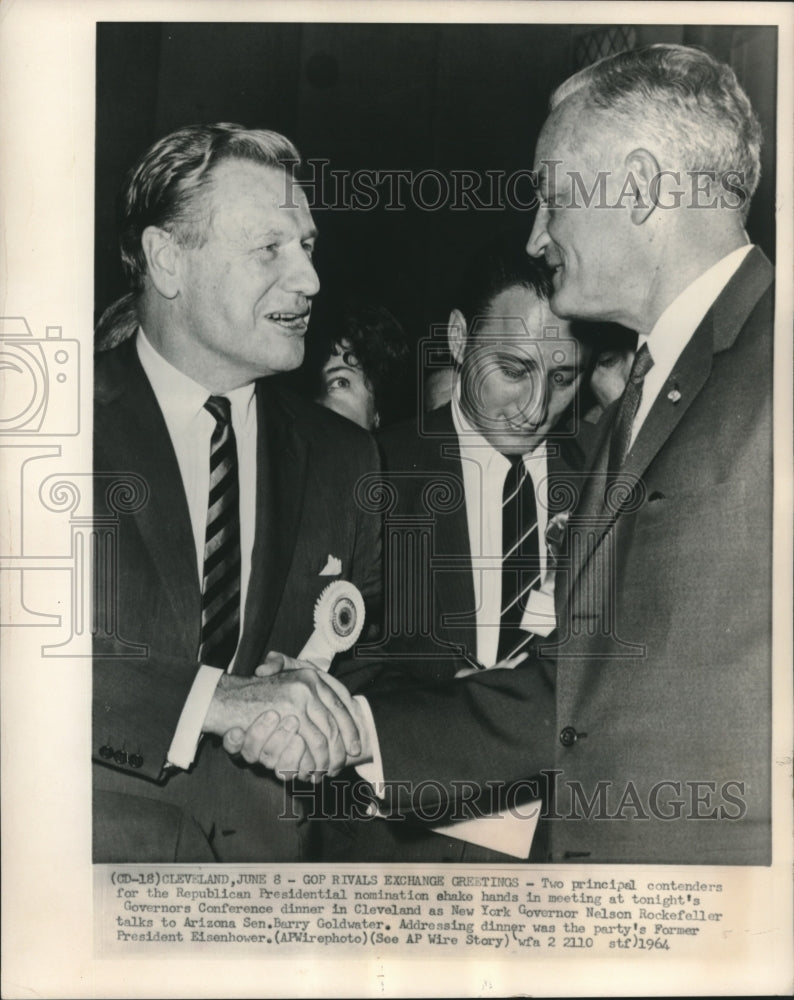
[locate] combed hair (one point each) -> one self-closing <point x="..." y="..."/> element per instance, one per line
<point x="162" y="188"/>
<point x="500" y="264"/>
<point x="685" y="99"/>
<point x="504" y="263"/>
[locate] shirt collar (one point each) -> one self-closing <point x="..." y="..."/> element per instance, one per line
<point x="181" y="398"/>
<point x="674" y="328"/>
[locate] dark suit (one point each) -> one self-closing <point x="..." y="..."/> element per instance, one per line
<point x="430" y="608"/>
<point x="308" y="462"/>
<point x="685" y="574"/>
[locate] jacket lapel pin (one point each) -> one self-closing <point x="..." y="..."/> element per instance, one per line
<point x="333" y="567"/>
<point x="674" y="395"/>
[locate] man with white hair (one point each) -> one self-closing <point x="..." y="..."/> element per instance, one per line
<point x="664" y="683"/>
<point x="655" y="732"/>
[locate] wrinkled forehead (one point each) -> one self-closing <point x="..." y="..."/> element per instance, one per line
<point x="518" y="314"/>
<point x="522" y="326"/>
<point x="574" y="136"/>
<point x="247" y="194"/>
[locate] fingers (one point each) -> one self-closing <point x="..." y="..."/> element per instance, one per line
<point x="274" y="664"/>
<point x="306" y="768"/>
<point x="233" y="740"/>
<point x="316" y="742"/>
<point x="259" y="732"/>
<point x="331" y="693"/>
<point x="334" y="745"/>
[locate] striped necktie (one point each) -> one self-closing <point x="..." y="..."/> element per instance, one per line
<point x="220" y="597"/>
<point x="520" y="555"/>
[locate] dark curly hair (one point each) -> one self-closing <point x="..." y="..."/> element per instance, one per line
<point x="377" y="339"/>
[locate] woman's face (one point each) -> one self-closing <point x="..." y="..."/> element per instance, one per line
<point x="346" y="389"/>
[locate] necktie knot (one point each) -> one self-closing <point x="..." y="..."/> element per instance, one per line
<point x="643" y="362"/>
<point x="220" y="408"/>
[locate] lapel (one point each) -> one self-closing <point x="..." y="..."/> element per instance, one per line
<point x="282" y="457"/>
<point x="453" y="591"/>
<point x="130" y="423"/>
<point x="716" y="333"/>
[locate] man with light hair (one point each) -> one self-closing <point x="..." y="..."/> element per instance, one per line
<point x="654" y="726"/>
<point x="664" y="683"/>
<point x="223" y="555"/>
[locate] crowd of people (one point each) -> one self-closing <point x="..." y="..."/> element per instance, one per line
<point x="564" y="547"/>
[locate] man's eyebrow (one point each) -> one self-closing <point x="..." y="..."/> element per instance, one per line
<point x="524" y="362"/>
<point x="274" y="234"/>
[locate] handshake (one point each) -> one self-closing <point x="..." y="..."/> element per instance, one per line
<point x="290" y="717"/>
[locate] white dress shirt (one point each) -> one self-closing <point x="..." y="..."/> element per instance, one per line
<point x="190" y="428"/>
<point x="484" y="472"/>
<point x="675" y="327"/>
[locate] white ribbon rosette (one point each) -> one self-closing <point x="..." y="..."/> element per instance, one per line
<point x="338" y="621"/>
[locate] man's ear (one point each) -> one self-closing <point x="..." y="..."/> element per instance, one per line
<point x="456" y="335"/>
<point x="642" y="185"/>
<point x="161" y="252"/>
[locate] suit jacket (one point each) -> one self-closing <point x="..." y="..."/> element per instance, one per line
<point x="308" y="462"/>
<point x="655" y="724"/>
<point x="429" y="613"/>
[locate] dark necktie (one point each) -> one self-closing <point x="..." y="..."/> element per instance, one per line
<point x="220" y="592"/>
<point x="627" y="409"/>
<point x="520" y="567"/>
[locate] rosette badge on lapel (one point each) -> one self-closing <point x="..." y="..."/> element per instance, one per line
<point x="338" y="621"/>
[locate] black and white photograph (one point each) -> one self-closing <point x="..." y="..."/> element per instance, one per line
<point x="414" y="519"/>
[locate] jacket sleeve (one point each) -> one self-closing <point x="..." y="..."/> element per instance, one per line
<point x="441" y="739"/>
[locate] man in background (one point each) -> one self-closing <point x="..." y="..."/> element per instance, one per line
<point x="484" y="469"/>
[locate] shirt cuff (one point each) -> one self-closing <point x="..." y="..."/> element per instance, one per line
<point x="372" y="771"/>
<point x="183" y="747"/>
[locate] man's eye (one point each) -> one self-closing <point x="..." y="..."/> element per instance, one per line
<point x="563" y="378"/>
<point x="309" y="249"/>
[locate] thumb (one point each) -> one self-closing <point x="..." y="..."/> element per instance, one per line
<point x="274" y="664"/>
<point x="233" y="740"/>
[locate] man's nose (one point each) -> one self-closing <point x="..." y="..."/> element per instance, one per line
<point x="535" y="403"/>
<point x="301" y="276"/>
<point x="539" y="237"/>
